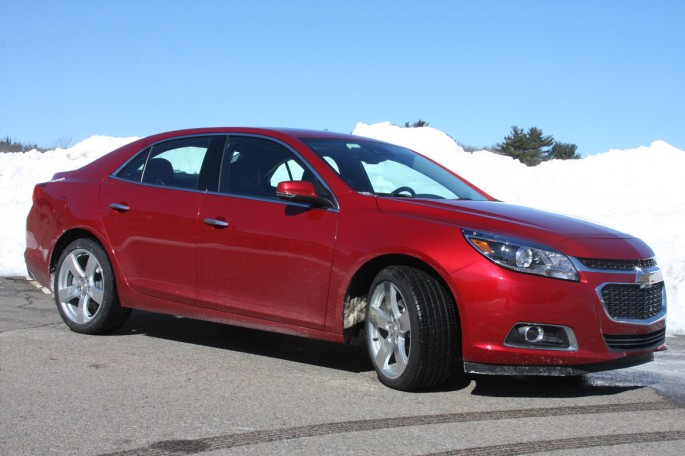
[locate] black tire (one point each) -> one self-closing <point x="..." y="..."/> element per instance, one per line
<point x="425" y="343"/>
<point x="85" y="291"/>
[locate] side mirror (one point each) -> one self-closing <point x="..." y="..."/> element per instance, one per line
<point x="301" y="192"/>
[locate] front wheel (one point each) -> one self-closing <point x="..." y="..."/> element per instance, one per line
<point x="411" y="329"/>
<point x="85" y="292"/>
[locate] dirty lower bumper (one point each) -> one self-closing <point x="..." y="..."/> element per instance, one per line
<point x="566" y="370"/>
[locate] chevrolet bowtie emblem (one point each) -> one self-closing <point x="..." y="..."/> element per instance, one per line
<point x="648" y="278"/>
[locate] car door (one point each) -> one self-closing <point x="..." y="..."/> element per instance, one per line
<point x="150" y="209"/>
<point x="259" y="256"/>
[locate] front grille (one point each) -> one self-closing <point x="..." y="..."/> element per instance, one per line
<point x="631" y="302"/>
<point x="625" y="342"/>
<point x="617" y="265"/>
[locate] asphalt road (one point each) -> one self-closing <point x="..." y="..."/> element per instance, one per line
<point x="171" y="386"/>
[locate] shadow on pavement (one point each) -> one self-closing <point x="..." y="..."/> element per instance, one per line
<point x="666" y="374"/>
<point x="543" y="387"/>
<point x="244" y="340"/>
<point x="352" y="358"/>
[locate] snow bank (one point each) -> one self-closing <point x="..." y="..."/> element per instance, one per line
<point x="638" y="191"/>
<point x="19" y="172"/>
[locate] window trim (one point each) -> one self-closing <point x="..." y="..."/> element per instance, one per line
<point x="305" y="162"/>
<point x="215" y="176"/>
<point x="149" y="148"/>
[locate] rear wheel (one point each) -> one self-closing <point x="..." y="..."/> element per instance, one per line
<point x="85" y="291"/>
<point x="411" y="329"/>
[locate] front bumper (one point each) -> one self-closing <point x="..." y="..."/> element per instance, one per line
<point x="492" y="301"/>
<point x="569" y="370"/>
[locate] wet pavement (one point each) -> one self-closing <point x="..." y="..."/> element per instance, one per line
<point x="666" y="374"/>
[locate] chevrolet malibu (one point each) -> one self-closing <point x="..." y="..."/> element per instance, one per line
<point x="342" y="238"/>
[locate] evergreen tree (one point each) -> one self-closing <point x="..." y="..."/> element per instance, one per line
<point x="7" y="144"/>
<point x="563" y="151"/>
<point x="417" y="124"/>
<point x="529" y="147"/>
<point x="532" y="147"/>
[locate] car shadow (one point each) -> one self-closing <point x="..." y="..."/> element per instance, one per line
<point x="352" y="358"/>
<point x="291" y="348"/>
<point x="544" y="387"/>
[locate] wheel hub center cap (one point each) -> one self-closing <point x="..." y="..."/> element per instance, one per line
<point x="82" y="286"/>
<point x="393" y="330"/>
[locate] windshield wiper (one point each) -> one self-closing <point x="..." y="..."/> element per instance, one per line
<point x="399" y="195"/>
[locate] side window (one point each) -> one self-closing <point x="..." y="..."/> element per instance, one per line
<point x="288" y="171"/>
<point x="133" y="171"/>
<point x="254" y="167"/>
<point x="175" y="163"/>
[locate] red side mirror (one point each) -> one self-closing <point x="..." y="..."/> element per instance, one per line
<point x="300" y="192"/>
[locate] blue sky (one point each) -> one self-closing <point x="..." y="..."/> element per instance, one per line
<point x="601" y="74"/>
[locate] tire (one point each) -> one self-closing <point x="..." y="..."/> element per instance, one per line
<point x="411" y="329"/>
<point x="85" y="292"/>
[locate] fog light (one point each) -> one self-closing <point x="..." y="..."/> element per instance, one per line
<point x="540" y="336"/>
<point x="532" y="334"/>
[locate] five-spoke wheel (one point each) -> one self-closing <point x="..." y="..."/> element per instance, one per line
<point x="411" y="328"/>
<point x="389" y="329"/>
<point x="84" y="289"/>
<point x="80" y="286"/>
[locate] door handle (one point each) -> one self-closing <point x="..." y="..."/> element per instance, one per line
<point x="216" y="223"/>
<point x="119" y="207"/>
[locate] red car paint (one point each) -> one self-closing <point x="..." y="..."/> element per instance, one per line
<point x="270" y="264"/>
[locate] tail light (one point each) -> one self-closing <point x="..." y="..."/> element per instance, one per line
<point x="37" y="190"/>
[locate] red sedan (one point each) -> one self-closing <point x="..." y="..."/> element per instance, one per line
<point x="339" y="237"/>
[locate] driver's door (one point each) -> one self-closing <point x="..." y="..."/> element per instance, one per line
<point x="259" y="256"/>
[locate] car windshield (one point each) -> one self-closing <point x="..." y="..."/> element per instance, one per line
<point x="388" y="170"/>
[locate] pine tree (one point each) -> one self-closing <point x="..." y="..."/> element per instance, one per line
<point x="532" y="147"/>
<point x="563" y="151"/>
<point x="528" y="147"/>
<point x="417" y="124"/>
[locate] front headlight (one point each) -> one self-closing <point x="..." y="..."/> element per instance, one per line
<point x="522" y="256"/>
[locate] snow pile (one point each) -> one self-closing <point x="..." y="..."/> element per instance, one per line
<point x="19" y="172"/>
<point x="638" y="191"/>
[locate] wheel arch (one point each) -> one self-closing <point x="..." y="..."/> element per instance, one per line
<point x="67" y="238"/>
<point x="356" y="296"/>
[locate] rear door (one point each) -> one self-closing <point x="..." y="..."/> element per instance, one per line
<point x="259" y="256"/>
<point x="150" y="209"/>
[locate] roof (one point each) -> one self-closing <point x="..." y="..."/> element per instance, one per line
<point x="275" y="132"/>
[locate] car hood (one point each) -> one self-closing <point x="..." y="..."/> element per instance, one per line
<point x="569" y="235"/>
